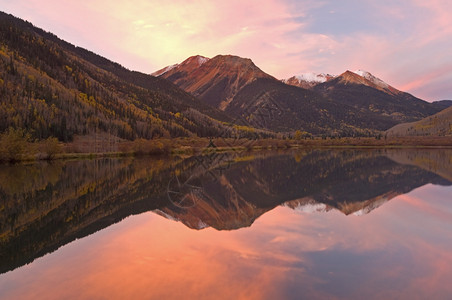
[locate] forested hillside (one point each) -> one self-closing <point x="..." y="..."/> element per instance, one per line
<point x="439" y="124"/>
<point x="52" y="88"/>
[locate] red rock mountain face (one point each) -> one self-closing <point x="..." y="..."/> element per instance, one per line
<point x="233" y="212"/>
<point x="353" y="103"/>
<point x="187" y="66"/>
<point x="215" y="81"/>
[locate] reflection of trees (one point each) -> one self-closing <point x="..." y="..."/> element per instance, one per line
<point x="19" y="180"/>
<point x="438" y="161"/>
<point x="349" y="180"/>
<point x="44" y="206"/>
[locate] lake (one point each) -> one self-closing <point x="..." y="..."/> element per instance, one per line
<point x="305" y="224"/>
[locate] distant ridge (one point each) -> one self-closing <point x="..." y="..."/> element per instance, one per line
<point x="308" y="80"/>
<point x="439" y="124"/>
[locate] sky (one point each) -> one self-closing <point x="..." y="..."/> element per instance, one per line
<point x="406" y="43"/>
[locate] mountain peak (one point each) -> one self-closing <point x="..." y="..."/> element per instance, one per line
<point x="352" y="77"/>
<point x="193" y="62"/>
<point x="217" y="80"/>
<point x="196" y="60"/>
<point x="362" y="73"/>
<point x="234" y="61"/>
<point x="372" y="79"/>
<point x="313" y="77"/>
<point x="308" y="80"/>
<point x="366" y="78"/>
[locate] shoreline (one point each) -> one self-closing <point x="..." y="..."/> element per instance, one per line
<point x="196" y="146"/>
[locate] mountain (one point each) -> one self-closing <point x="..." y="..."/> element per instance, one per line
<point x="439" y="124"/>
<point x="374" y="82"/>
<point x="308" y="80"/>
<point x="442" y="104"/>
<point x="353" y="103"/>
<point x="368" y="93"/>
<point x="53" y="88"/>
<point x="215" y="81"/>
<point x="255" y="99"/>
<point x="271" y="104"/>
<point x="372" y="96"/>
<point x="187" y="66"/>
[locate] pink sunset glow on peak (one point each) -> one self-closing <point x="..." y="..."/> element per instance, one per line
<point x="406" y="43"/>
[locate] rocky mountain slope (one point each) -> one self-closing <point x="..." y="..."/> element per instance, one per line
<point x="353" y="103"/>
<point x="215" y="81"/>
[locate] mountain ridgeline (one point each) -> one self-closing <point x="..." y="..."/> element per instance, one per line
<point x="439" y="124"/>
<point x="353" y="103"/>
<point x="51" y="88"/>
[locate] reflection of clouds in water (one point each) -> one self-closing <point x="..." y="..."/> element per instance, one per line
<point x="283" y="255"/>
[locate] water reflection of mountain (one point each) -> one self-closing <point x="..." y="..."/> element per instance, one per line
<point x="350" y="181"/>
<point x="44" y="206"/>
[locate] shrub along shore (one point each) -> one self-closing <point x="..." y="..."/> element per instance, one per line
<point x="15" y="145"/>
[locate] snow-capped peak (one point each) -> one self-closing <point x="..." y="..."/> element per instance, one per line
<point x="309" y="207"/>
<point x="372" y="78"/>
<point x="373" y="205"/>
<point x="313" y="77"/>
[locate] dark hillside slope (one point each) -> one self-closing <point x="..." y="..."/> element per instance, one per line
<point x="392" y="108"/>
<point x="53" y="88"/>
<point x="272" y="104"/>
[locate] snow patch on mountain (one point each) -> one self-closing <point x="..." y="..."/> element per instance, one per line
<point x="367" y="209"/>
<point x="195" y="61"/>
<point x="164" y="70"/>
<point x="372" y="78"/>
<point x="202" y="59"/>
<point x="309" y="207"/>
<point x="201" y="225"/>
<point x="312" y="77"/>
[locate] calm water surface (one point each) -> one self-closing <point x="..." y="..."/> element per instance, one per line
<point x="310" y="224"/>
